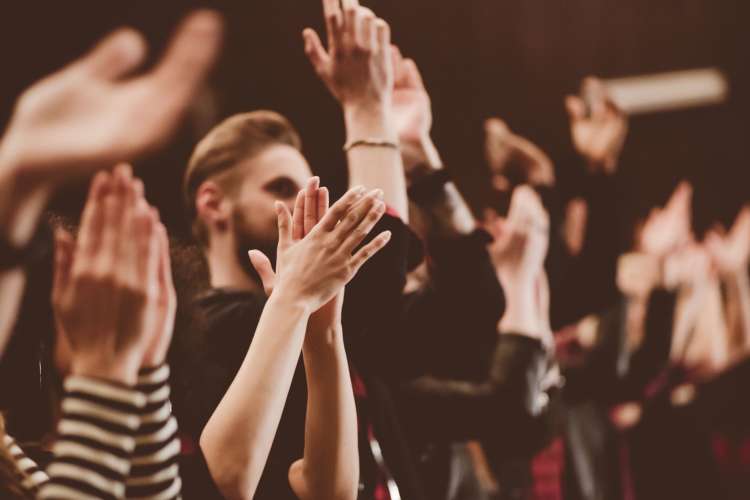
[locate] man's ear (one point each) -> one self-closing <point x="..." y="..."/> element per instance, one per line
<point x="212" y="205"/>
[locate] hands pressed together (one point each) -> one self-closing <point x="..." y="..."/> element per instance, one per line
<point x="113" y="295"/>
<point x="316" y="251"/>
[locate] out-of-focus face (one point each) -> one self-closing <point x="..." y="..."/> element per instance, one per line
<point x="278" y="173"/>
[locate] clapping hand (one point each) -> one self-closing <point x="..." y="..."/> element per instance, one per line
<point x="112" y="294"/>
<point x="96" y="112"/>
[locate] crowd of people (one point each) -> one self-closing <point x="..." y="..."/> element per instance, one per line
<point x="388" y="345"/>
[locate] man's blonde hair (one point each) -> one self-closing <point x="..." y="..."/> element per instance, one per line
<point x="235" y="139"/>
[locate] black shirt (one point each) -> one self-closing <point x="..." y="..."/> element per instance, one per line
<point x="207" y="356"/>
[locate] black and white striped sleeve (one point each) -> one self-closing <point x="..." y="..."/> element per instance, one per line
<point x="96" y="440"/>
<point x="32" y="477"/>
<point x="154" y="474"/>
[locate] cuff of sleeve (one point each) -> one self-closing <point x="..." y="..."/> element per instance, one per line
<point x="115" y="403"/>
<point x="153" y="375"/>
<point x="154" y="384"/>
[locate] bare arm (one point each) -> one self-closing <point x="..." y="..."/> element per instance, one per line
<point x="330" y="467"/>
<point x="238" y="436"/>
<point x="358" y="70"/>
<point x="20" y="209"/>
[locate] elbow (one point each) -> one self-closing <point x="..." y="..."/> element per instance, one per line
<point x="231" y="476"/>
<point x="313" y="487"/>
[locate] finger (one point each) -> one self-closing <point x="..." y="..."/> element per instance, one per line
<point x="350" y="4"/>
<point x="116" y="55"/>
<point x="334" y="22"/>
<point x="595" y="95"/>
<point x="412" y="75"/>
<point x="359" y="233"/>
<point x="89" y="235"/>
<point x="323" y="203"/>
<point x="123" y="178"/>
<point x="146" y="243"/>
<point x="397" y="60"/>
<point x="191" y="54"/>
<point x="64" y="248"/>
<point x="354" y="217"/>
<point x="285" y="224"/>
<point x="367" y="31"/>
<point x="576" y="108"/>
<point x="331" y="7"/>
<point x="298" y="221"/>
<point x="311" y="204"/>
<point x="166" y="280"/>
<point x="741" y="226"/>
<point x="317" y="55"/>
<point x="680" y="199"/>
<point x="350" y="32"/>
<point x="368" y="251"/>
<point x="139" y="190"/>
<point x="383" y="31"/>
<point x="263" y="266"/>
<point x="340" y="208"/>
<point x="111" y="234"/>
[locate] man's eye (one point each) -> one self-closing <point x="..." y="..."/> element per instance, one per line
<point x="283" y="188"/>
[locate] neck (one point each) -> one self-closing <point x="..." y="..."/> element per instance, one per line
<point x="226" y="271"/>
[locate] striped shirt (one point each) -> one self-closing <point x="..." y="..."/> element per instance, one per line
<point x="113" y="442"/>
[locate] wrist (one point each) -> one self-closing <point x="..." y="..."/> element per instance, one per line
<point x="290" y="298"/>
<point x="121" y="369"/>
<point x="369" y="121"/>
<point x="327" y="337"/>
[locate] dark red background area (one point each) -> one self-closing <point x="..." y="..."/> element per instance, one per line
<point x="516" y="59"/>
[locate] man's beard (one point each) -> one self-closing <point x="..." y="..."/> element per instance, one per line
<point x="245" y="243"/>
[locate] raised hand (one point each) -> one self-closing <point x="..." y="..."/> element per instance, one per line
<point x="510" y="155"/>
<point x="638" y="274"/>
<point x="316" y="260"/>
<point x="106" y="291"/>
<point x="730" y="253"/>
<point x="669" y="229"/>
<point x="357" y="67"/>
<point x="598" y="127"/>
<point x="521" y="240"/>
<point x="518" y="252"/>
<point x="412" y="107"/>
<point x="96" y="112"/>
<point x="311" y="205"/>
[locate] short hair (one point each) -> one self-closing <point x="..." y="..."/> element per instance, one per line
<point x="235" y="139"/>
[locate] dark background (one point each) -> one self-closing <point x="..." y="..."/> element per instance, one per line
<point x="512" y="58"/>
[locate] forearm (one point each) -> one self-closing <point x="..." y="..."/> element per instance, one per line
<point x="511" y="396"/>
<point x="21" y="208"/>
<point x="521" y="316"/>
<point x="330" y="467"/>
<point x="238" y="436"/>
<point x="376" y="167"/>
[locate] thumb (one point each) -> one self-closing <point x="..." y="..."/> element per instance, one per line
<point x="262" y="265"/>
<point x="575" y="107"/>
<point x="116" y="55"/>
<point x="314" y="49"/>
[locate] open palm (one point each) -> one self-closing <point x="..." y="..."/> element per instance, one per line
<point x="94" y="113"/>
